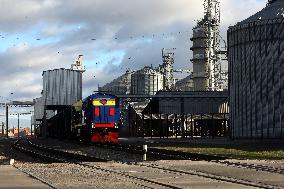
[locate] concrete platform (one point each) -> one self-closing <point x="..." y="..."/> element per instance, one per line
<point x="12" y="178"/>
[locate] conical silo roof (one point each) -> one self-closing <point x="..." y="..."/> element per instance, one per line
<point x="273" y="10"/>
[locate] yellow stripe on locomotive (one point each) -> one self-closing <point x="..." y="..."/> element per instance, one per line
<point x="104" y="102"/>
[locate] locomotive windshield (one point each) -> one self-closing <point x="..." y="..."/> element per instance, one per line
<point x="104" y="102"/>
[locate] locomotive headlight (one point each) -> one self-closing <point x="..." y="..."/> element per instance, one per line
<point x="116" y="125"/>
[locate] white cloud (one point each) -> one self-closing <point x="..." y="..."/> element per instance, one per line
<point x="75" y="24"/>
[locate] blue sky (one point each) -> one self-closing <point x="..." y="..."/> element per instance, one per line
<point x="113" y="35"/>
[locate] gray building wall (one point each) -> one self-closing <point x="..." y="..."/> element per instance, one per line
<point x="39" y="110"/>
<point x="213" y="102"/>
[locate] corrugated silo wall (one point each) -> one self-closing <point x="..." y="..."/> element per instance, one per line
<point x="62" y="87"/>
<point x="256" y="79"/>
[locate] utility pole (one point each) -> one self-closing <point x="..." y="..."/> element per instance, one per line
<point x="7" y="120"/>
<point x="32" y="122"/>
<point x="18" y="125"/>
<point x="2" y="128"/>
<point x="31" y="129"/>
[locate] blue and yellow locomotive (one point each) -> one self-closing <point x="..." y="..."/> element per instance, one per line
<point x="95" y="119"/>
<point x="102" y="116"/>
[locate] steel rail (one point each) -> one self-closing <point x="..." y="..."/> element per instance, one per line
<point x="39" y="154"/>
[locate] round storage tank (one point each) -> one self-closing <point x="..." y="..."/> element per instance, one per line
<point x="62" y="86"/>
<point x="146" y="81"/>
<point x="256" y="74"/>
<point x="120" y="85"/>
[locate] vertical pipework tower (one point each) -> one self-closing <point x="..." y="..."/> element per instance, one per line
<point x="78" y="65"/>
<point x="206" y="41"/>
<point x="168" y="61"/>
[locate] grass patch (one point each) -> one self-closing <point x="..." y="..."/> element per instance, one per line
<point x="231" y="152"/>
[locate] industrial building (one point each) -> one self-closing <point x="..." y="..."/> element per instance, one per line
<point x="256" y="55"/>
<point x="185" y="114"/>
<point x="196" y="105"/>
<point x="61" y="88"/>
<point x="152" y="101"/>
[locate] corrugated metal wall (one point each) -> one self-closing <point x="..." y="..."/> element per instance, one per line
<point x="256" y="80"/>
<point x="62" y="87"/>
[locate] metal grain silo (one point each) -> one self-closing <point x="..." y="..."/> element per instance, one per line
<point x="146" y="81"/>
<point x="120" y="85"/>
<point x="256" y="79"/>
<point x="185" y="84"/>
<point x="62" y="86"/>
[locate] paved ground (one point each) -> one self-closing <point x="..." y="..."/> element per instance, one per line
<point x="12" y="178"/>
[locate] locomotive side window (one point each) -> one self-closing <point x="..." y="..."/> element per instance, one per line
<point x="97" y="111"/>
<point x="111" y="111"/>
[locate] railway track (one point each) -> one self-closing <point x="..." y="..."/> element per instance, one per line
<point x="65" y="157"/>
<point x="216" y="177"/>
<point x="54" y="155"/>
<point x="156" y="153"/>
